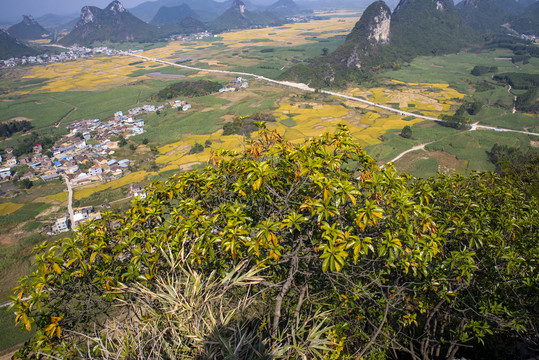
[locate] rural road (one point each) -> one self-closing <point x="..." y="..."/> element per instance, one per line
<point x="305" y="87"/>
<point x="69" y="200"/>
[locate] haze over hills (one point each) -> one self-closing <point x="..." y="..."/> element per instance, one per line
<point x="171" y="15"/>
<point x="185" y="26"/>
<point x="483" y="15"/>
<point x="528" y="21"/>
<point x="238" y="17"/>
<point x="28" y="29"/>
<point x="206" y="9"/>
<point x="283" y="8"/>
<point x="114" y="24"/>
<point x="11" y="47"/>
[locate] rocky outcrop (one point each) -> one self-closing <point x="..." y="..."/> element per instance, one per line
<point x="114" y="24"/>
<point x="28" y="29"/>
<point x="372" y="31"/>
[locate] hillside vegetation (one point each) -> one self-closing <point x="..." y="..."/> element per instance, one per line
<point x="288" y="251"/>
<point x="188" y="89"/>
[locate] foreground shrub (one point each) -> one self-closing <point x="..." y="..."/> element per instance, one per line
<point x="351" y="261"/>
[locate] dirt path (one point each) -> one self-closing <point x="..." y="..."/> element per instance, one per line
<point x="69" y="112"/>
<point x="417" y="147"/>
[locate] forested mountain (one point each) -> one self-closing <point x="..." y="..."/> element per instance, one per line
<point x="185" y="26"/>
<point x="28" y="29"/>
<point x="11" y="47"/>
<point x="238" y="17"/>
<point x="283" y="8"/>
<point x="485" y="16"/>
<point x="114" y="23"/>
<point x="171" y="15"/>
<point x="528" y="21"/>
<point x="383" y="40"/>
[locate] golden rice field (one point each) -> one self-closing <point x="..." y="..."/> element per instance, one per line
<point x="60" y="197"/>
<point x="292" y="34"/>
<point x="9" y="208"/>
<point x="134" y="177"/>
<point x="99" y="73"/>
<point x="414" y="97"/>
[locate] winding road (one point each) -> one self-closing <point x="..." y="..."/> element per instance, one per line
<point x="305" y="87"/>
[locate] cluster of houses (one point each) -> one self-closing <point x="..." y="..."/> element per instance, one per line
<point x="192" y="37"/>
<point x="80" y="216"/>
<point x="74" y="155"/>
<point x="71" y="54"/>
<point x="239" y="83"/>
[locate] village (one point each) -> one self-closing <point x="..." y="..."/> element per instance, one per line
<point x="71" y="54"/>
<point x="85" y="155"/>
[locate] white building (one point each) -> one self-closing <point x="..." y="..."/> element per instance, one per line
<point x="186" y="107"/>
<point x="62" y="224"/>
<point x="95" y="170"/>
<point x="5" y="173"/>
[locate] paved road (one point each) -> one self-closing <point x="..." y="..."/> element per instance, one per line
<point x="305" y="87"/>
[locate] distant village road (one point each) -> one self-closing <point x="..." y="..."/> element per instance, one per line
<point x="307" y="88"/>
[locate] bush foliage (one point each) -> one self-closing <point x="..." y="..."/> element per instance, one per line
<point x="331" y="256"/>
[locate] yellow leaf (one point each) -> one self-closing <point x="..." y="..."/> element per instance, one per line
<point x="56" y="268"/>
<point x="92" y="257"/>
<point x="58" y="331"/>
<point x="325" y="194"/>
<point x="257" y="184"/>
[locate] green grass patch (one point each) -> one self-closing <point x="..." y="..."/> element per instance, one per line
<point x="289" y="122"/>
<point x="455" y="69"/>
<point x="474" y="145"/>
<point x="506" y="119"/>
<point x="27" y="212"/>
<point x="422" y="168"/>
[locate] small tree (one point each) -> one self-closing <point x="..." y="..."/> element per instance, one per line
<point x="406" y="132"/>
<point x="121" y="141"/>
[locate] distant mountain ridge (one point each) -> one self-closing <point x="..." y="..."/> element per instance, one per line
<point x="238" y="17"/>
<point x="171" y="15"/>
<point x="527" y="22"/>
<point x="486" y="16"/>
<point x="28" y="29"/>
<point x="11" y="47"/>
<point x="284" y="8"/>
<point x="207" y="10"/>
<point x="114" y="24"/>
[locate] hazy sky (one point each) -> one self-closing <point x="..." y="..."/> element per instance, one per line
<point x="11" y="10"/>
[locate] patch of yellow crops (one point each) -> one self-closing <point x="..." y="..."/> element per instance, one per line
<point x="133" y="177"/>
<point x="291" y="34"/>
<point x="85" y="74"/>
<point x="8" y="208"/>
<point x="61" y="197"/>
